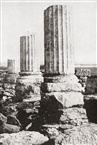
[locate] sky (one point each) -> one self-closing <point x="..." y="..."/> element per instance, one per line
<point x="19" y="18"/>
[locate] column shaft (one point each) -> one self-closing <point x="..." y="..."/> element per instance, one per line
<point x="29" y="54"/>
<point x="11" y="66"/>
<point x="58" y="40"/>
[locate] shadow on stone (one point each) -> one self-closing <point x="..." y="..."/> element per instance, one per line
<point x="91" y="109"/>
<point x="50" y="142"/>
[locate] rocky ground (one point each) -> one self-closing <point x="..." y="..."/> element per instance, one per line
<point x="39" y="123"/>
<point x="26" y="123"/>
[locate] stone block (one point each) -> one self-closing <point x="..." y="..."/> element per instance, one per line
<point x="10" y="78"/>
<point x="8" y="94"/>
<point x="80" y="135"/>
<point x="83" y="72"/>
<point x="66" y="99"/>
<point x="3" y="119"/>
<point x="74" y="116"/>
<point x="61" y="87"/>
<point x="27" y="91"/>
<point x="9" y="86"/>
<point x="36" y="79"/>
<point x="61" y="79"/>
<point x="28" y="86"/>
<point x="8" y="128"/>
<point x="10" y="91"/>
<point x="23" y="138"/>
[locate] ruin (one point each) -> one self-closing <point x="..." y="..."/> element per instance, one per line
<point x="59" y="78"/>
<point x="9" y="80"/>
<point x="29" y="81"/>
<point x="50" y="109"/>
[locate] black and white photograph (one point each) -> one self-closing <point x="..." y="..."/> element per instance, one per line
<point x="48" y="72"/>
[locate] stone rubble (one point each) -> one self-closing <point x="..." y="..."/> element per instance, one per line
<point x="9" y="82"/>
<point x="53" y="111"/>
<point x="23" y="138"/>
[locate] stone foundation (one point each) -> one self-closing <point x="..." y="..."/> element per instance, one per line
<point x="28" y="87"/>
<point x="66" y="92"/>
<point x="9" y="83"/>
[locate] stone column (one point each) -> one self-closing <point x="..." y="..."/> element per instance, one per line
<point x="60" y="88"/>
<point x="11" y="66"/>
<point x="28" y="84"/>
<point x="59" y="51"/>
<point x="29" y="57"/>
<point x="9" y="80"/>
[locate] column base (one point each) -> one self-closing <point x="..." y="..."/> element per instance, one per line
<point x="29" y="73"/>
<point x="10" y="78"/>
<point x="62" y="89"/>
<point x="28" y="87"/>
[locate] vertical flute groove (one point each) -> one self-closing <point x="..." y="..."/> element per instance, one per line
<point x="58" y="40"/>
<point x="29" y="54"/>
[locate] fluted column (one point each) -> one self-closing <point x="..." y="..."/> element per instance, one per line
<point x="29" y="54"/>
<point x="60" y="84"/>
<point x="59" y="56"/>
<point x="29" y="82"/>
<point x="61" y="89"/>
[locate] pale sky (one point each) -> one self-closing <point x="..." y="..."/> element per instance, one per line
<point x="21" y="17"/>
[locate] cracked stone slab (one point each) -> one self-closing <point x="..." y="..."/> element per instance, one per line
<point x="66" y="99"/>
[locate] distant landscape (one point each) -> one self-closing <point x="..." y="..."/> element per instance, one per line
<point x="93" y="68"/>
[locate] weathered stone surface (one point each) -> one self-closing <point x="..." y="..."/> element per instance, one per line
<point x="82" y="72"/>
<point x="81" y="135"/>
<point x="28" y="86"/>
<point x="29" y="53"/>
<point x="66" y="99"/>
<point x="74" y="116"/>
<point x="27" y="73"/>
<point x="32" y="98"/>
<point x="9" y="89"/>
<point x="61" y="79"/>
<point x="50" y="130"/>
<point x="9" y="86"/>
<point x="13" y="120"/>
<point x="27" y="112"/>
<point x="10" y="78"/>
<point x="3" y="119"/>
<point x="24" y="105"/>
<point x="23" y="138"/>
<point x="8" y="128"/>
<point x="9" y="93"/>
<point x="37" y="79"/>
<point x="9" y="109"/>
<point x="59" y="54"/>
<point x="61" y="87"/>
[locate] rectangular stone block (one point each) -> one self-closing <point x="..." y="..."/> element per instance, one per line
<point x="74" y="116"/>
<point x="9" y="86"/>
<point x="66" y="99"/>
<point x="61" y="87"/>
